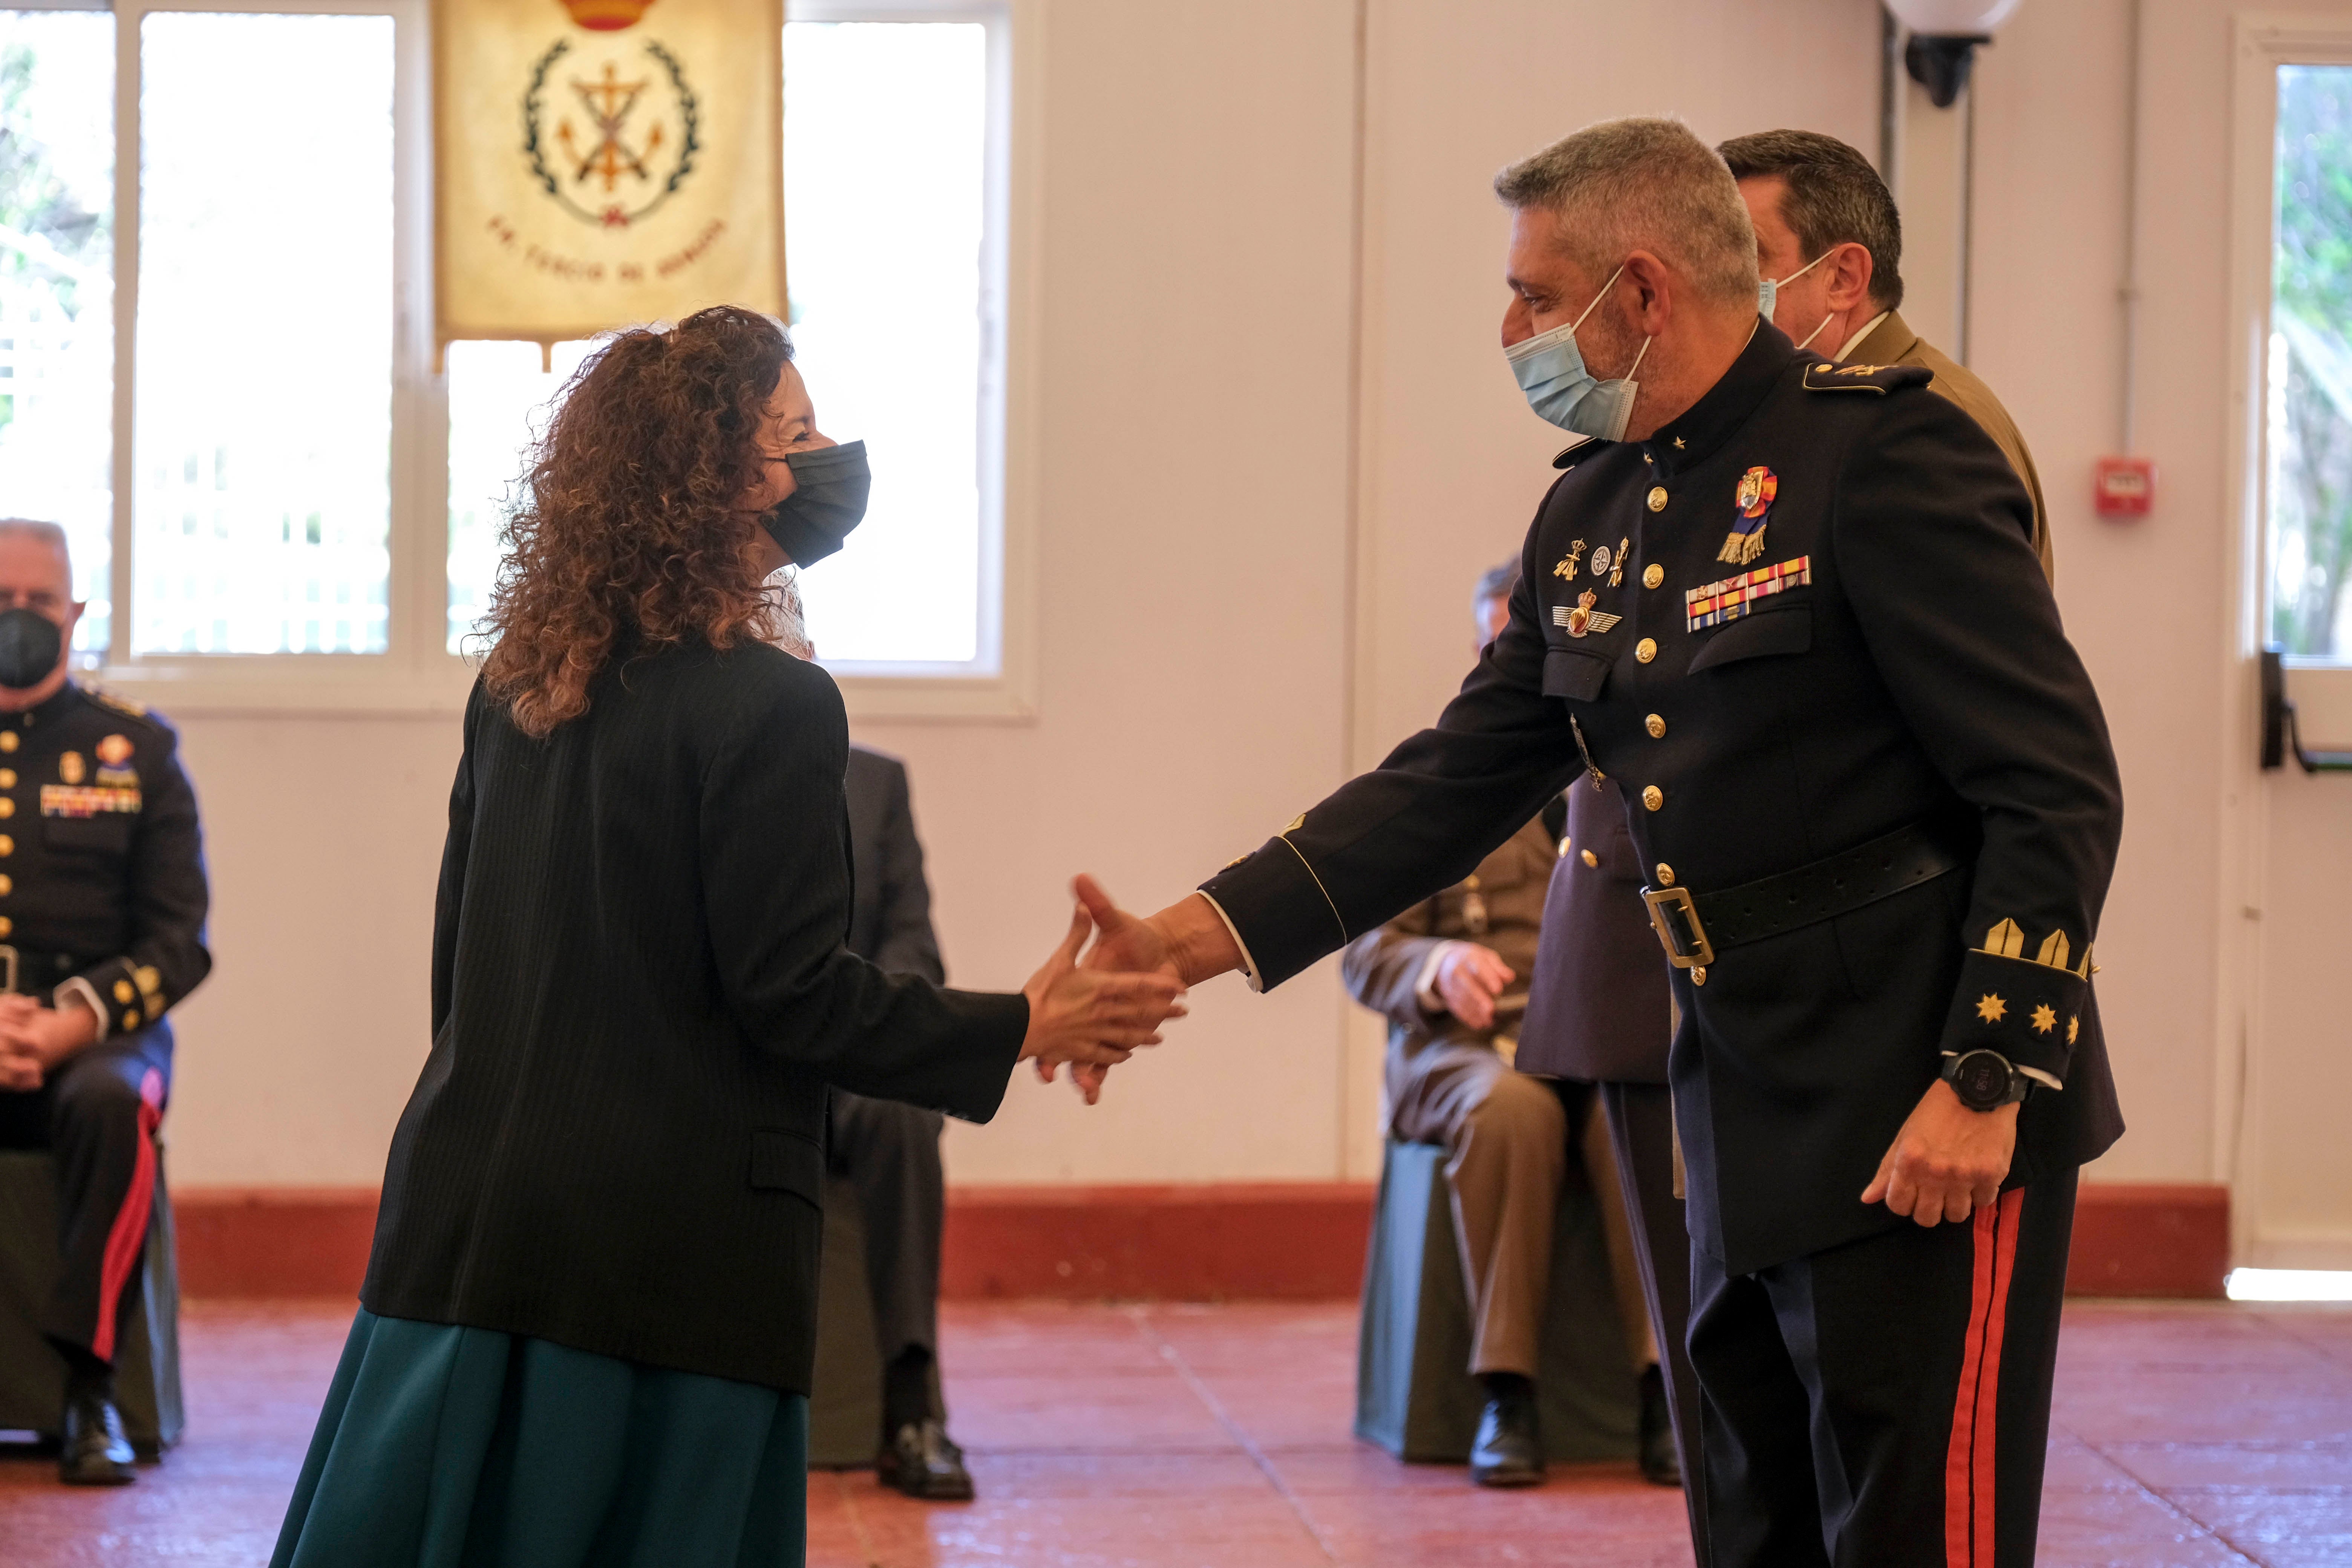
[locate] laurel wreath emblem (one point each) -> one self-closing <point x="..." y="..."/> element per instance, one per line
<point x="534" y="106"/>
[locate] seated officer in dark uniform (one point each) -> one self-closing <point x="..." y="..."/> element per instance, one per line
<point x="1794" y="608"/>
<point x="890" y="1152"/>
<point x="102" y="902"/>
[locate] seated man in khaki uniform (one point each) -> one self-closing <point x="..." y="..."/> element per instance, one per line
<point x="1451" y="976"/>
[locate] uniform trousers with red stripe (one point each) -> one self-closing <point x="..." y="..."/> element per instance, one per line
<point x="1885" y="1403"/>
<point x="97" y="1115"/>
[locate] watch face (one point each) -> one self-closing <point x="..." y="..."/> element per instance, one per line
<point x="1981" y="1080"/>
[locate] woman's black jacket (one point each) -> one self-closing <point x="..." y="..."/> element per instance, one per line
<point x="639" y="995"/>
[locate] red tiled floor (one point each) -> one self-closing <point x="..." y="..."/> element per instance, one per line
<point x="1179" y="1437"/>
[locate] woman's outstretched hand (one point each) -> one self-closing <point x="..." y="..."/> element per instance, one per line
<point x="1092" y="1018"/>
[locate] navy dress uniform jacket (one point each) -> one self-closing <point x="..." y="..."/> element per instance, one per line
<point x="102" y="858"/>
<point x="1598" y="1007"/>
<point x="640" y="995"/>
<point x="1888" y="656"/>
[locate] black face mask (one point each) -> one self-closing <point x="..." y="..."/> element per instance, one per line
<point x="29" y="645"/>
<point x="812" y="521"/>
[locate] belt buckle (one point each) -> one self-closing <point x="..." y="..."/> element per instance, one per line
<point x="9" y="964"/>
<point x="1675" y="915"/>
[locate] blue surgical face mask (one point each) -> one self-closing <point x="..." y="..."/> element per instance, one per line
<point x="1550" y="371"/>
<point x="1768" y="295"/>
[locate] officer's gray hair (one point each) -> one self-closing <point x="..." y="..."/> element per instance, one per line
<point x="1832" y="196"/>
<point x="1624" y="186"/>
<point x="48" y="534"/>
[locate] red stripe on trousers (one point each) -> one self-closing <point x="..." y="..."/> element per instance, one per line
<point x="128" y="1235"/>
<point x="1969" y="1462"/>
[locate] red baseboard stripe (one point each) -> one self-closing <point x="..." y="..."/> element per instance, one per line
<point x="1211" y="1241"/>
<point x="1285" y="1240"/>
<point x="2134" y="1238"/>
<point x="248" y="1242"/>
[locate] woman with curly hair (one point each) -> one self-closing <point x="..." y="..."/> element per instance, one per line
<point x="587" y="1329"/>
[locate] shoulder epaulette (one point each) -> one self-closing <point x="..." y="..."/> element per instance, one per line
<point x="1822" y="376"/>
<point x="122" y="705"/>
<point x="1569" y="455"/>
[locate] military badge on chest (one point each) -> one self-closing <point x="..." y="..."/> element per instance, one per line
<point x="1580" y="619"/>
<point x="1745" y="543"/>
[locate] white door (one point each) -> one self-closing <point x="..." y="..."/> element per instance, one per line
<point x="2292" y="1168"/>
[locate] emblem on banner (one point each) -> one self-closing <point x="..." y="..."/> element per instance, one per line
<point x="622" y="132"/>
<point x="1745" y="543"/>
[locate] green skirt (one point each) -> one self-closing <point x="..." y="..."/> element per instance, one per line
<point x="442" y="1447"/>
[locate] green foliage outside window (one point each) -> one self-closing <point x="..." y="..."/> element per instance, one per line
<point x="2311" y="389"/>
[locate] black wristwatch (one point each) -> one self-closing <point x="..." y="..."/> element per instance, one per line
<point x="1985" y="1080"/>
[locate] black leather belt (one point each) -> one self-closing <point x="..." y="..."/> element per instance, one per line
<point x="1694" y="926"/>
<point x="34" y="974"/>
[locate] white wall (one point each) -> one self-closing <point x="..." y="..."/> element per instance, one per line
<point x="1254" y="573"/>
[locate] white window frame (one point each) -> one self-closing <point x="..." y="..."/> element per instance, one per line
<point x="2260" y="43"/>
<point x="1000" y="681"/>
<point x="416" y="674"/>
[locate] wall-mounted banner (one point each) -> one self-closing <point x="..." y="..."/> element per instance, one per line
<point x="602" y="162"/>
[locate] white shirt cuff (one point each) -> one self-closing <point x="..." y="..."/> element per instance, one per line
<point x="1425" y="990"/>
<point x="87" y="993"/>
<point x="1249" y="965"/>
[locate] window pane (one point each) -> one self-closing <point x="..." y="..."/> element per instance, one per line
<point x="264" y="409"/>
<point x="884" y="133"/>
<point x="498" y="404"/>
<point x="56" y="290"/>
<point x="2311" y="366"/>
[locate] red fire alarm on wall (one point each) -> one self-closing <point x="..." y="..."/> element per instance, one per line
<point x="2123" y="487"/>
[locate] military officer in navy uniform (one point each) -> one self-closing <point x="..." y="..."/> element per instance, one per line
<point x="102" y="900"/>
<point x="1793" y="609"/>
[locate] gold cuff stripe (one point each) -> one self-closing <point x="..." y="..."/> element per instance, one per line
<point x="1318" y="888"/>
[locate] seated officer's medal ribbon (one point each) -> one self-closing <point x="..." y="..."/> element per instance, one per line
<point x="1745" y="543"/>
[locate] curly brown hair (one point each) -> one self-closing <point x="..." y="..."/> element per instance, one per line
<point x="627" y="521"/>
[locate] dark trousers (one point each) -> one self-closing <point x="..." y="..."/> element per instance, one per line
<point x="1641" y="1126"/>
<point x="890" y="1153"/>
<point x="1886" y="1402"/>
<point x="97" y="1115"/>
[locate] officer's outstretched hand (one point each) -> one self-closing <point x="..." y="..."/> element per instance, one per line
<point x="1946" y="1160"/>
<point x="1092" y="1017"/>
<point x="1186" y="942"/>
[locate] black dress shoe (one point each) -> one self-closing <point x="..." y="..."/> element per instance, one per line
<point x="1508" y="1452"/>
<point x="921" y="1461"/>
<point x="1662" y="1462"/>
<point x="95" y="1453"/>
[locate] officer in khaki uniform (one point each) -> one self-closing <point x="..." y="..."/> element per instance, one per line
<point x="103" y="902"/>
<point x="1830" y="240"/>
<point x="1451" y="976"/>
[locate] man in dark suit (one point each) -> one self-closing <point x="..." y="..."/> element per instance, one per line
<point x="890" y="1152"/>
<point x="1796" y="607"/>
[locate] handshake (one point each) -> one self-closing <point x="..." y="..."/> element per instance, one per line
<point x="1094" y="1012"/>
